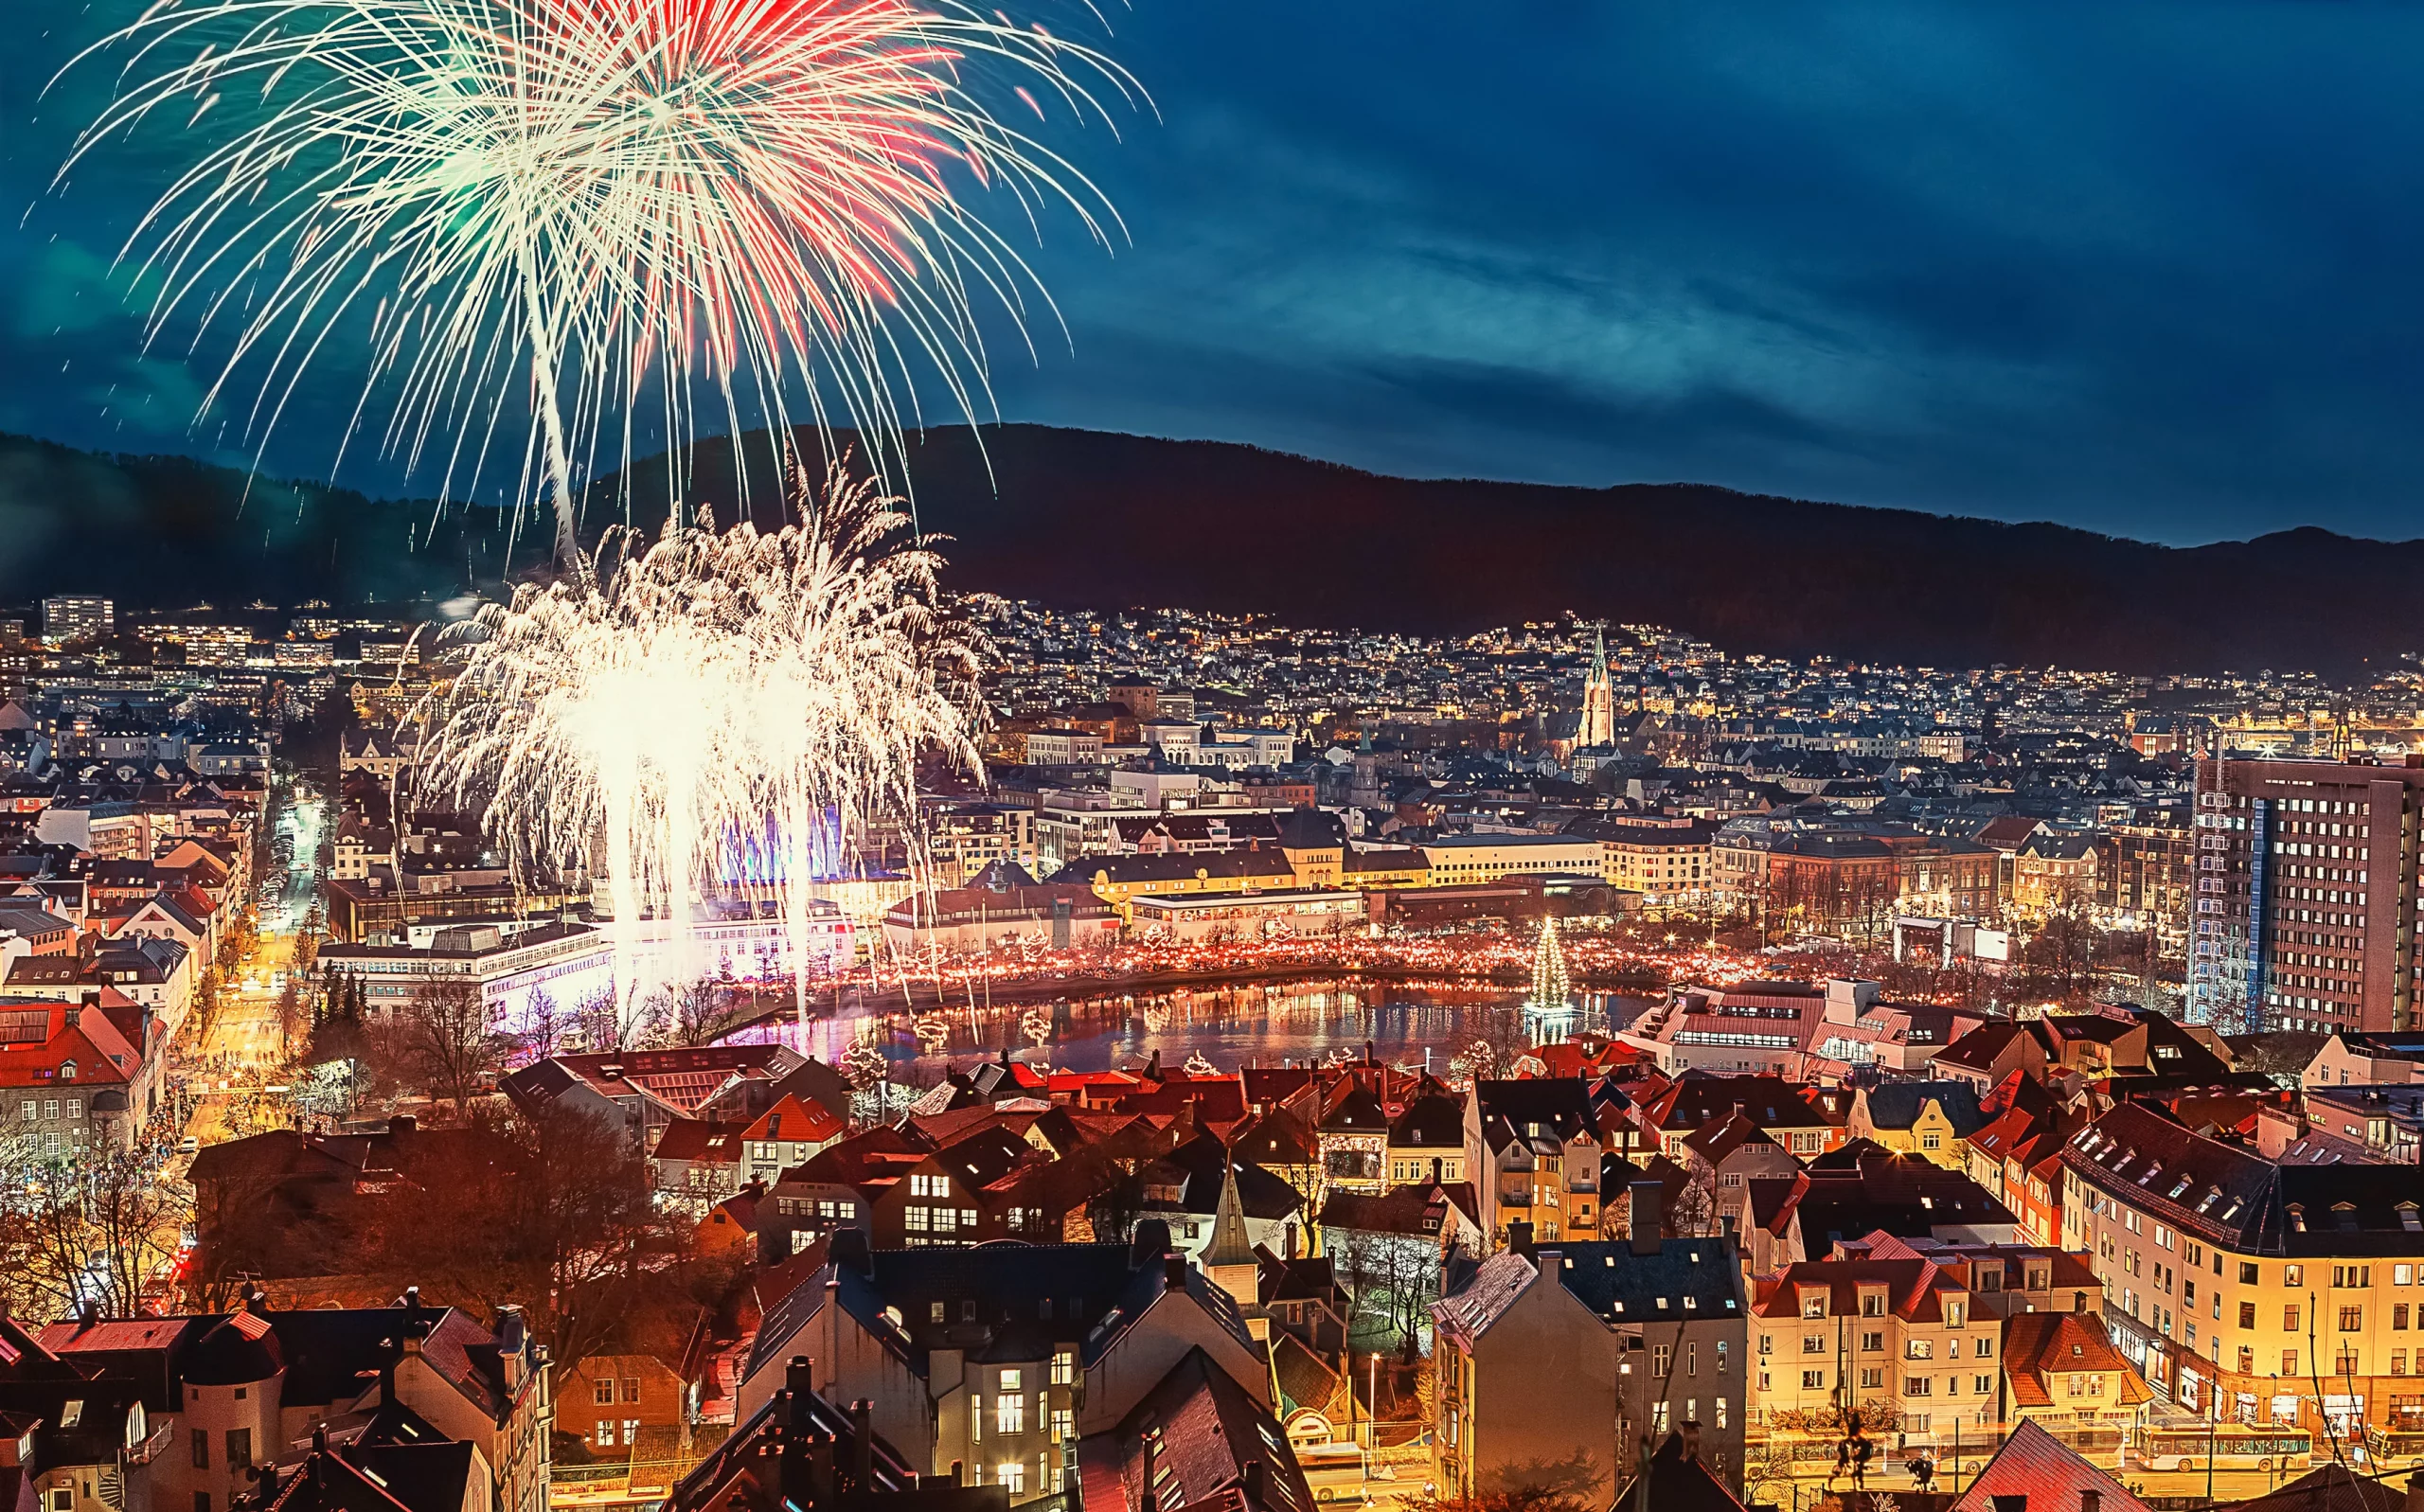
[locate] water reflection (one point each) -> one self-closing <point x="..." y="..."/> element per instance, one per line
<point x="1271" y="1024"/>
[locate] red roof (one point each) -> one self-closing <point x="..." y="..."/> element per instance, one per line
<point x="2034" y="1464"/>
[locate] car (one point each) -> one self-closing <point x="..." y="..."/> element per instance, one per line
<point x="188" y="1145"/>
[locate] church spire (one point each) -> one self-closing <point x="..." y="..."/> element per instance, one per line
<point x="1229" y="1262"/>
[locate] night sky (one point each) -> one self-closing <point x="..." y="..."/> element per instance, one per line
<point x="2149" y="268"/>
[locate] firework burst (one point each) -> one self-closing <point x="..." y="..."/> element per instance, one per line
<point x="605" y="207"/>
<point x="699" y="720"/>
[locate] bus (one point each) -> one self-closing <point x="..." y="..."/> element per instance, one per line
<point x="2229" y="1445"/>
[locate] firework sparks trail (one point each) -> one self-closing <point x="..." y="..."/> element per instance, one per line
<point x="702" y="713"/>
<point x="603" y="206"/>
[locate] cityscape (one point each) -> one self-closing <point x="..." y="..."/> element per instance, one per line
<point x="875" y="755"/>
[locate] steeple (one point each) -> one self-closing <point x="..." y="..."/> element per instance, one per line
<point x="1599" y="725"/>
<point x="1229" y="1260"/>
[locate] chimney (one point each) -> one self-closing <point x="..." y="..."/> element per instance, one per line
<point x="863" y="1446"/>
<point x="1519" y="1238"/>
<point x="1434" y="1170"/>
<point x="1648" y="1217"/>
<point x="1149" y="1242"/>
<point x="402" y="1123"/>
<point x="2415" y="1492"/>
<point x="1256" y="1482"/>
<point x="2091" y="1500"/>
<point x="1692" y="1445"/>
<point x="849" y="1250"/>
<point x="1174" y="1273"/>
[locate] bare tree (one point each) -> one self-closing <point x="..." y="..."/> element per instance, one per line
<point x="548" y="1208"/>
<point x="450" y="1036"/>
<point x="92" y="1231"/>
<point x="705" y="1010"/>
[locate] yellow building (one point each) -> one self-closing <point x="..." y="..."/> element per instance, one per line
<point x="2228" y="1276"/>
<point x="1898" y="1341"/>
<point x="1116" y="880"/>
<point x="1931" y="1119"/>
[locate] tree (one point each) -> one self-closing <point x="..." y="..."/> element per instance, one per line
<point x="91" y="1230"/>
<point x="548" y="1208"/>
<point x="450" y="1038"/>
<point x="705" y="1010"/>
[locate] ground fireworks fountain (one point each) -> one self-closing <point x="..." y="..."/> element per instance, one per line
<point x="701" y="719"/>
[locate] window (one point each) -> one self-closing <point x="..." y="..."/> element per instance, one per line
<point x="1662" y="1359"/>
<point x="976" y="1417"/>
<point x="1872" y="1379"/>
<point x="1982" y="1384"/>
<point x="1871" y="1343"/>
<point x="1064" y="1424"/>
<point x="2288" y="1361"/>
<point x="201" y="1438"/>
<point x="2290" y="1320"/>
<point x="2246" y="1273"/>
<point x="1918" y="1386"/>
<point x="1010" y="1475"/>
<point x="1918" y="1348"/>
<point x="2247" y="1314"/>
<point x="2293" y="1275"/>
<point x="603" y="1391"/>
<point x="1984" y="1348"/>
<point x="2398" y="1315"/>
<point x="605" y="1435"/>
<point x="1064" y="1368"/>
<point x="631" y="1388"/>
<point x="630" y="1432"/>
<point x="240" y="1448"/>
<point x="1720" y="1419"/>
<point x="1009" y="1411"/>
<point x="1814" y="1343"/>
<point x="1813" y="1380"/>
<point x="935" y="1312"/>
<point x="1013" y="1380"/>
<point x="2352" y="1320"/>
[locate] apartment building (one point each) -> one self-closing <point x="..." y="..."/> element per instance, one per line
<point x="1896" y="1339"/>
<point x="1572" y="1354"/>
<point x="2236" y="1282"/>
<point x="2307" y="884"/>
<point x="1532" y="1152"/>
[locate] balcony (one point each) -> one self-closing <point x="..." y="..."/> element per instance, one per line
<point x="1519" y="1199"/>
<point x="145" y="1453"/>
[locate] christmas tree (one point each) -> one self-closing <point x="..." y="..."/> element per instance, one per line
<point x="1551" y="992"/>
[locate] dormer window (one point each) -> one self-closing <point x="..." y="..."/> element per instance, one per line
<point x="68" y="1071"/>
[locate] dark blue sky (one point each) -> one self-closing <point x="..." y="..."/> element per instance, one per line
<point x="2150" y="268"/>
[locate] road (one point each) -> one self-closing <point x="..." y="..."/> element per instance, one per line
<point x="245" y="1039"/>
<point x="1810" y="1487"/>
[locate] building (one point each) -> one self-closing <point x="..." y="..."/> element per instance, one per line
<point x="1599" y="723"/>
<point x="2235" y="1279"/>
<point x="2305" y="895"/>
<point x="74" y="1078"/>
<point x="1532" y="1155"/>
<point x="1558" y="1355"/>
<point x="799" y="1453"/>
<point x="1665" y="860"/>
<point x="989" y="1364"/>
<point x="1897" y="1341"/>
<point x="77" y="617"/>
<point x="234" y="1391"/>
<point x="1458" y="860"/>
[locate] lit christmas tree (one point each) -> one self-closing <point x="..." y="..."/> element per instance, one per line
<point x="1551" y="992"/>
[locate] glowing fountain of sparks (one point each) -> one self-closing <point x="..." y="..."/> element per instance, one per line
<point x="601" y="205"/>
<point x="704" y="707"/>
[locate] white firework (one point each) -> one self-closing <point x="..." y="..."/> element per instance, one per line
<point x="708" y="718"/>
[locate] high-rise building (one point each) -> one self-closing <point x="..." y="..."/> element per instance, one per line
<point x="1599" y="698"/>
<point x="76" y="616"/>
<point x="2307" y="884"/>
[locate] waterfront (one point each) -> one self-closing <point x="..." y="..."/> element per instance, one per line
<point x="1308" y="1019"/>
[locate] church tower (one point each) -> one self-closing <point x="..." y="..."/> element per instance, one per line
<point x="1599" y="697"/>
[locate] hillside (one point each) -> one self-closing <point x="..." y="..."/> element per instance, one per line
<point x="1092" y="519"/>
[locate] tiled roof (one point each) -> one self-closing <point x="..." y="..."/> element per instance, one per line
<point x="2035" y="1465"/>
